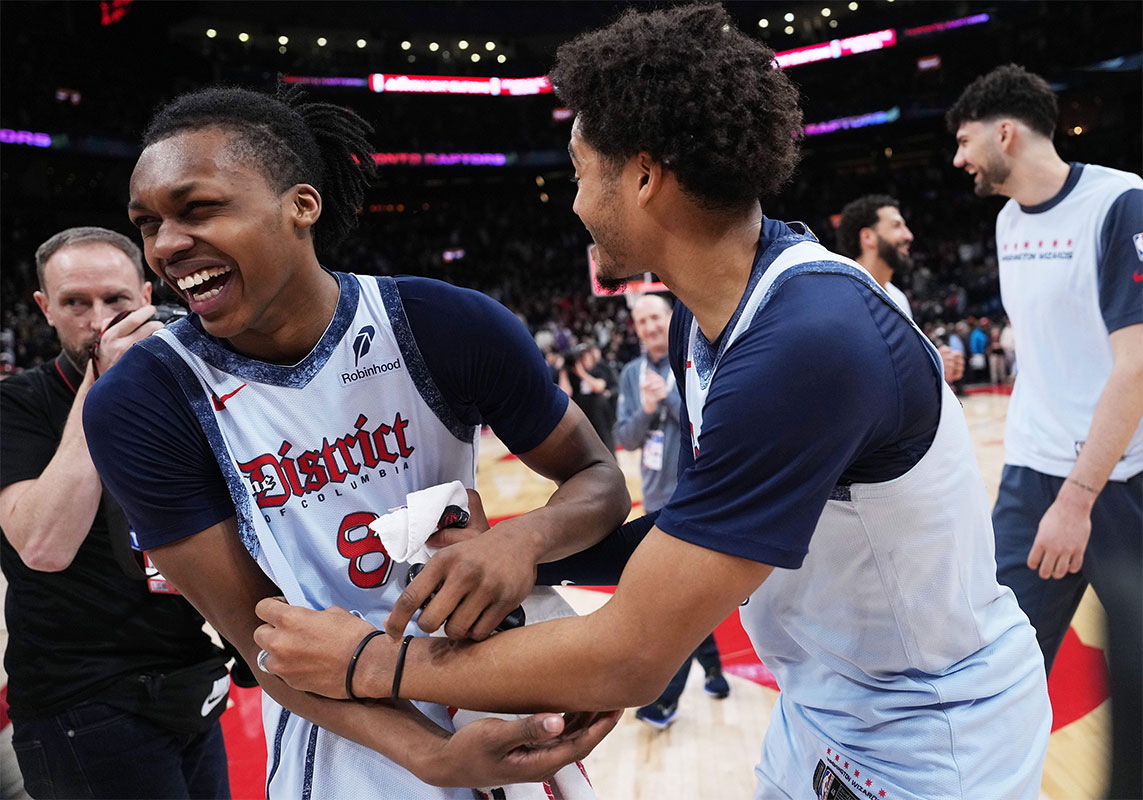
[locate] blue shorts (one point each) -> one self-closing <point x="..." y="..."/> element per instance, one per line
<point x="1116" y="538"/>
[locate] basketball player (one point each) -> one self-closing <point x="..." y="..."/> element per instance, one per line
<point x="1071" y="498"/>
<point x="873" y="233"/>
<point x="843" y="506"/>
<point x="251" y="444"/>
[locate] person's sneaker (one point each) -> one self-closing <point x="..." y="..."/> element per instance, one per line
<point x="658" y="715"/>
<point x="716" y="685"/>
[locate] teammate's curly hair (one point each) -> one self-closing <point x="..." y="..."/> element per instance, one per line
<point x="858" y="214"/>
<point x="700" y="96"/>
<point x="290" y="141"/>
<point x="1007" y="91"/>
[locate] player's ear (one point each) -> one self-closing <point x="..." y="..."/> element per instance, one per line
<point x="1005" y="134"/>
<point x="867" y="237"/>
<point x="650" y="177"/>
<point x="305" y="205"/>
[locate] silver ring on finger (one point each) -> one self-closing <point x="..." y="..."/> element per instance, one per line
<point x="262" y="656"/>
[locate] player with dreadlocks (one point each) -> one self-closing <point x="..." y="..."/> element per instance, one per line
<point x="252" y="443"/>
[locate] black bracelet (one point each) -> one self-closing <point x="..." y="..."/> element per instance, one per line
<point x="353" y="664"/>
<point x="400" y="668"/>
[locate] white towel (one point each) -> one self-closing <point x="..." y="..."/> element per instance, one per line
<point x="403" y="532"/>
<point x="404" y="529"/>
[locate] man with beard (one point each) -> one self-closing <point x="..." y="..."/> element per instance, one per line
<point x="106" y="680"/>
<point x="1070" y="282"/>
<point x="1069" y="246"/>
<point x="873" y="233"/>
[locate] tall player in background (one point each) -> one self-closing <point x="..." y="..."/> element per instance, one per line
<point x="845" y="504"/>
<point x="873" y="233"/>
<point x="252" y="443"/>
<point x="1069" y="243"/>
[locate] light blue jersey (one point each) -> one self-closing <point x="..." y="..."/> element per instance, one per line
<point x="906" y="670"/>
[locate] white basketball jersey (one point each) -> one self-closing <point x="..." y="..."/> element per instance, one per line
<point x="906" y="671"/>
<point x="312" y="453"/>
<point x="1049" y="286"/>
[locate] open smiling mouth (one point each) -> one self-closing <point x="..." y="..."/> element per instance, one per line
<point x="206" y="283"/>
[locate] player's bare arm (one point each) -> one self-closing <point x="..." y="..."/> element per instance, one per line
<point x="1066" y="526"/>
<point x="45" y="524"/>
<point x="480" y="579"/>
<point x="220" y="579"/>
<point x="671" y="595"/>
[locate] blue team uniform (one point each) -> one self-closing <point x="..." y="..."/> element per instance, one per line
<point x="822" y="440"/>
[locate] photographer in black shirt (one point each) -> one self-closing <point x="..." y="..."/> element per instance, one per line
<point x="114" y="688"/>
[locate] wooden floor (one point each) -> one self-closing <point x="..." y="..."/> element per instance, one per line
<point x="710" y="751"/>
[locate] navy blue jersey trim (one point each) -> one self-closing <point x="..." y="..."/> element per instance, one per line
<point x="706" y="353"/>
<point x="213" y="352"/>
<point x="418" y="371"/>
<point x="1069" y="184"/>
<point x="201" y="406"/>
<point x="311" y="751"/>
<point x="311" y="754"/>
<point x="283" y="718"/>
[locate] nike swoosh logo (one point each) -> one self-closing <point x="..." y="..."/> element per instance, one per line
<point x="217" y="694"/>
<point x="220" y="402"/>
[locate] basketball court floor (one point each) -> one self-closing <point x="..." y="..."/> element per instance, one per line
<point x="710" y="750"/>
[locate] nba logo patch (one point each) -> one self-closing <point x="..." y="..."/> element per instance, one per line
<point x="1138" y="238"/>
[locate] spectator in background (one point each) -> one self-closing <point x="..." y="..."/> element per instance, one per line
<point x="648" y="420"/>
<point x="1008" y="344"/>
<point x="594" y="388"/>
<point x="873" y="233"/>
<point x="997" y="365"/>
<point x="978" y="350"/>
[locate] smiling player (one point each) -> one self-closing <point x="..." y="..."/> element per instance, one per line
<point x="252" y="443"/>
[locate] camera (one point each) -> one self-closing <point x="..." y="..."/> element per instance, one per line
<point x="166" y="313"/>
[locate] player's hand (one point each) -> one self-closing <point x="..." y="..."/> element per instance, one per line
<point x="478" y="580"/>
<point x="652" y="391"/>
<point x="310" y="650"/>
<point x="1061" y="540"/>
<point x="953" y="363"/>
<point x="497" y="752"/>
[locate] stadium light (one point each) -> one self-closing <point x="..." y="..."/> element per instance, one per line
<point x="825" y="12"/>
<point x="490" y="46"/>
<point x="475" y="57"/>
<point x="833" y="23"/>
<point x="406" y="45"/>
<point x="322" y="41"/>
<point x="211" y="33"/>
<point x="500" y="59"/>
<point x="283" y="40"/>
<point x="763" y="23"/>
<point x="244" y="37"/>
<point x="282" y="49"/>
<point x="462" y="44"/>
<point x="789" y="29"/>
<point x="853" y="6"/>
<point x="360" y="44"/>
<point x="433" y="46"/>
<point x="789" y="16"/>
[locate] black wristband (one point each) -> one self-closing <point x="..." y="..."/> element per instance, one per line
<point x="400" y="668"/>
<point x="353" y="664"/>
